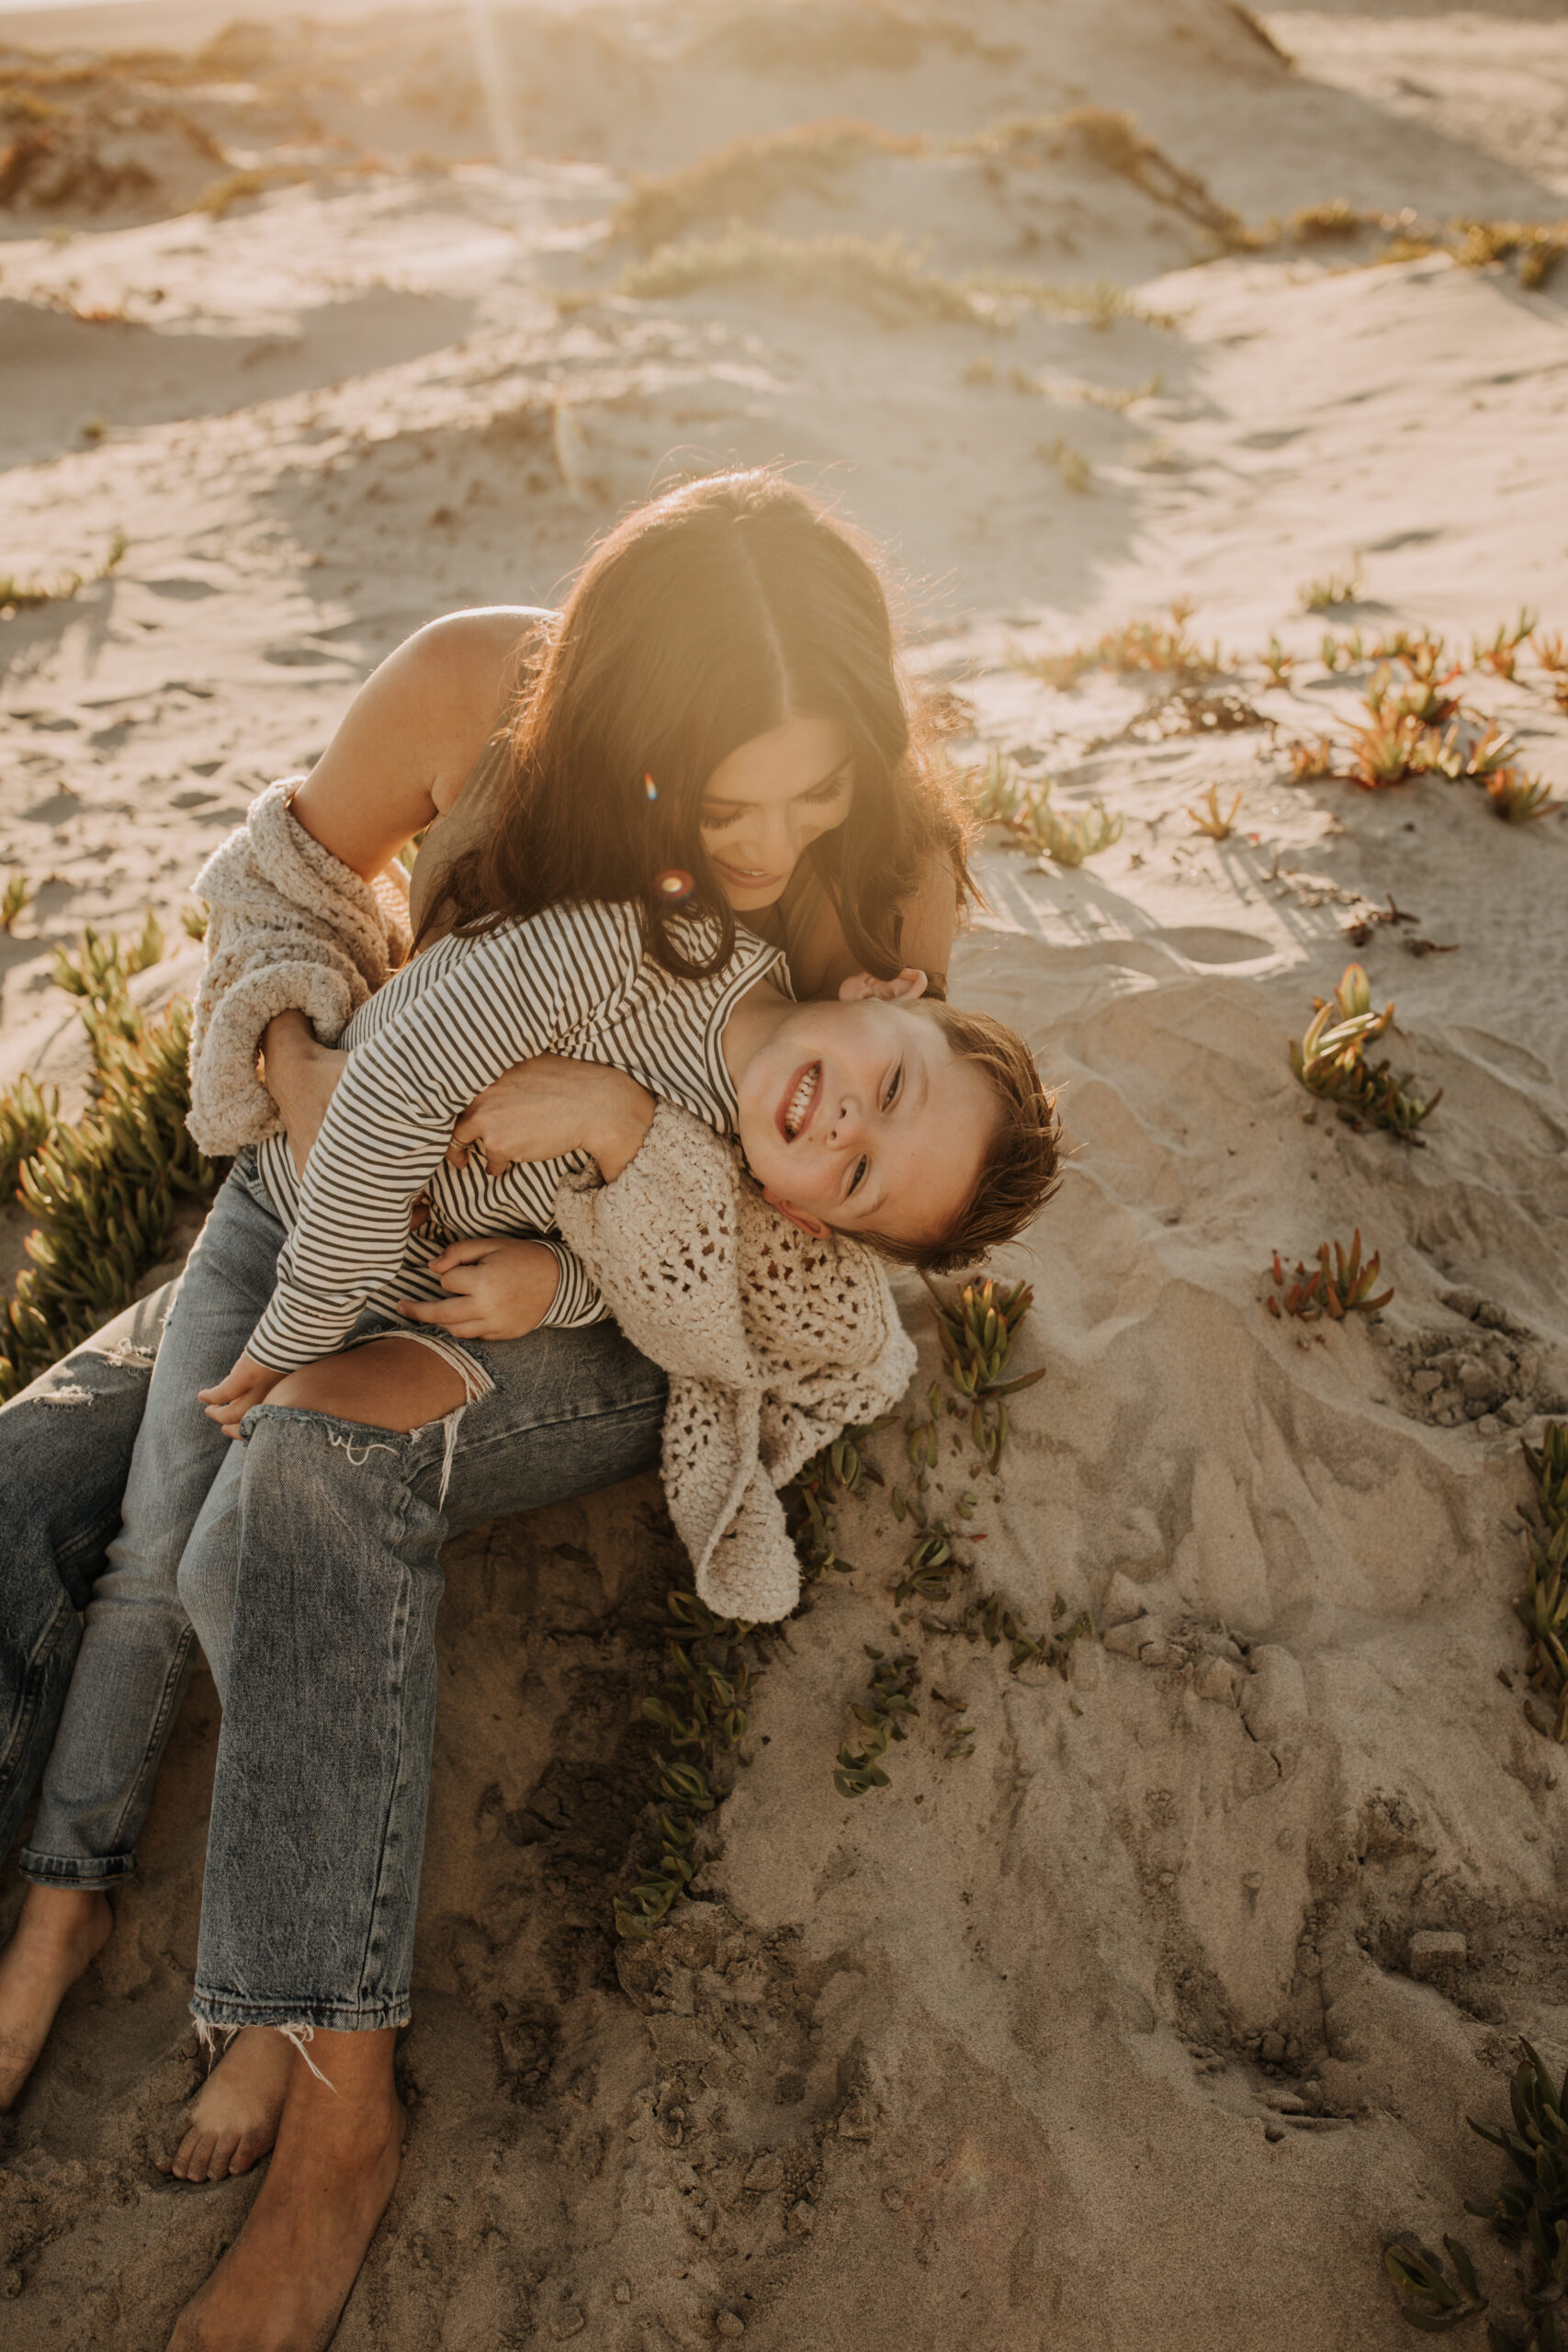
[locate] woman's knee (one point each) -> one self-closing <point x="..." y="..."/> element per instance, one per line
<point x="392" y="1385"/>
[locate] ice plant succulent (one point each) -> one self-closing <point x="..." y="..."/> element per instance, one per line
<point x="1330" y="1061"/>
<point x="1428" y="2299"/>
<point x="1339" y="1285"/>
<point x="976" y="1331"/>
<point x="1207" y="816"/>
<point x="102" y="1193"/>
<point x="1542" y="1608"/>
<point x="710" y="1664"/>
<point x="1067" y="841"/>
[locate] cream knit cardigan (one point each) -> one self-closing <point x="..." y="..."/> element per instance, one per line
<point x="289" y="926"/>
<point x="772" y="1340"/>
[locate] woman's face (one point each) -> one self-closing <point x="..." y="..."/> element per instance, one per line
<point x="768" y="801"/>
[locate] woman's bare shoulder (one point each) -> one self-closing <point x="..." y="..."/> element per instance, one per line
<point x="473" y="655"/>
<point x="412" y="733"/>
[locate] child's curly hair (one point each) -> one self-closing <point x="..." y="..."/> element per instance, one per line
<point x="1020" y="1169"/>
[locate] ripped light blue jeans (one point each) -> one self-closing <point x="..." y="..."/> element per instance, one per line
<point x="307" y="1560"/>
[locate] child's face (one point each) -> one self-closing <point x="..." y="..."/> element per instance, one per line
<point x="859" y="1118"/>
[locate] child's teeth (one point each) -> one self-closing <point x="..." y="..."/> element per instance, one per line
<point x="801" y="1097"/>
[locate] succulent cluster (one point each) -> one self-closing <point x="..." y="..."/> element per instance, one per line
<point x="1530" y="2211"/>
<point x="711" y="1664"/>
<point x="1209" y="819"/>
<point x="1330" y="1062"/>
<point x="975" y="1332"/>
<point x="1000" y="793"/>
<point x="883" y="1715"/>
<point x="1417" y="725"/>
<point x="1339" y="1285"/>
<point x="1138" y="648"/>
<point x="1543" y="1605"/>
<point x="104" y="1192"/>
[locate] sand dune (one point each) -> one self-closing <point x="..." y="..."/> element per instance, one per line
<point x="1109" y="2032"/>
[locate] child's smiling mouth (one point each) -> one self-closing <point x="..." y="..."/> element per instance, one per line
<point x="795" y="1111"/>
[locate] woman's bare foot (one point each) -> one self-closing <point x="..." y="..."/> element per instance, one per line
<point x="233" y="2118"/>
<point x="59" y="1934"/>
<point x="282" y="2285"/>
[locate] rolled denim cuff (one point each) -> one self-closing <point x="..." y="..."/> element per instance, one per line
<point x="299" y="2020"/>
<point x="61" y="1870"/>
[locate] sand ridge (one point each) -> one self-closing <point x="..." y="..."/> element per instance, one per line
<point x="1107" y="2031"/>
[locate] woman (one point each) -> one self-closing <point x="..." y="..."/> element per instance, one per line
<point x="732" y="642"/>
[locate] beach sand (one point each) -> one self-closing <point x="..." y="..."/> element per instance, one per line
<point x="1110" y="2032"/>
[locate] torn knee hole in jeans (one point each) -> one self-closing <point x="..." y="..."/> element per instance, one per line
<point x="126" y="1354"/>
<point x="69" y="1392"/>
<point x="359" y="1450"/>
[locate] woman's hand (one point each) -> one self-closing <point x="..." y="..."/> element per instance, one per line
<point x="246" y="1385"/>
<point x="301" y="1078"/>
<point x="546" y="1107"/>
<point x="909" y="985"/>
<point x="499" y="1288"/>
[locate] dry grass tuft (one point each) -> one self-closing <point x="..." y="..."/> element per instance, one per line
<point x="1326" y="224"/>
<point x="1077" y="473"/>
<point x="1112" y="141"/>
<point x="19" y="596"/>
<point x="746" y="178"/>
<point x="883" y="275"/>
<point x="1535" y="247"/>
<point x="815" y="37"/>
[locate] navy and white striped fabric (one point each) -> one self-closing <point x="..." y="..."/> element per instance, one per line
<point x="573" y="981"/>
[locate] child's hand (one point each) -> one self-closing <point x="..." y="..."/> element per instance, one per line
<point x="860" y="985"/>
<point x="231" y="1399"/>
<point x="502" y="1288"/>
<point x="544" y="1108"/>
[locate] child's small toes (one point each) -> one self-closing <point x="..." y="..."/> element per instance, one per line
<point x="221" y="2163"/>
<point x="199" y="2164"/>
<point x="252" y="2144"/>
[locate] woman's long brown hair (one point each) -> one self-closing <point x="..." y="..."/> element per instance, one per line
<point x="710" y="617"/>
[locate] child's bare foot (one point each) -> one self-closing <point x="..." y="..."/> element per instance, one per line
<point x="59" y="1934"/>
<point x="233" y="2119"/>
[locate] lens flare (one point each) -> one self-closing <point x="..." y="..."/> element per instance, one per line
<point x="674" y="884"/>
<point x="649" y="786"/>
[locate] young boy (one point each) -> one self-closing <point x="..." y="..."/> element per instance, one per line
<point x="922" y="1130"/>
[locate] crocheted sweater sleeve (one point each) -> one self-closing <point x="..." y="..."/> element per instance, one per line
<point x="774" y="1343"/>
<point x="289" y="926"/>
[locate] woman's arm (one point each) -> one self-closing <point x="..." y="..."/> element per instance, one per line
<point x="397" y="761"/>
<point x="410" y="737"/>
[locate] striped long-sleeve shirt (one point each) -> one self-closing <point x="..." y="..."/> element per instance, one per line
<point x="573" y="981"/>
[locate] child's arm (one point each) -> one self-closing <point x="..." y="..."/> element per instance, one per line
<point x="392" y="1115"/>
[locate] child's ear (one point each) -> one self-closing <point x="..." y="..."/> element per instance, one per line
<point x="807" y="1222"/>
<point x="909" y="985"/>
